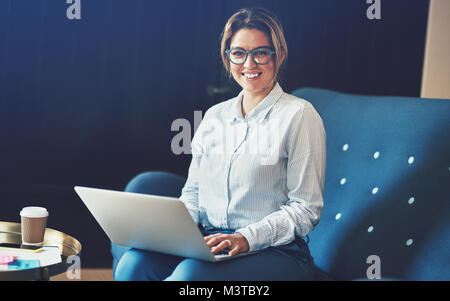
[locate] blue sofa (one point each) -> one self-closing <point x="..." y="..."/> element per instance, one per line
<point x="387" y="188"/>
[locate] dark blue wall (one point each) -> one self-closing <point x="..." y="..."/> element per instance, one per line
<point x="91" y="101"/>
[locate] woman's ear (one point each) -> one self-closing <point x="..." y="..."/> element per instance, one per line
<point x="283" y="56"/>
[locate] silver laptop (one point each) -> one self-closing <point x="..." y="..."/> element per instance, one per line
<point x="149" y="222"/>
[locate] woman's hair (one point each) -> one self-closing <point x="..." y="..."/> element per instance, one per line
<point x="255" y="18"/>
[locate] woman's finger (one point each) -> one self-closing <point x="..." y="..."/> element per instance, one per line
<point x="207" y="238"/>
<point x="234" y="251"/>
<point x="222" y="245"/>
<point x="212" y="241"/>
<point x="215" y="240"/>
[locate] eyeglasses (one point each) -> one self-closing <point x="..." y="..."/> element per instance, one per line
<point x="260" y="55"/>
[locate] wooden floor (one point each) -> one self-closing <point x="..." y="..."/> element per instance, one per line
<point x="86" y="275"/>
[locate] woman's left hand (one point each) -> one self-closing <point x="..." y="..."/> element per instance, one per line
<point x="237" y="243"/>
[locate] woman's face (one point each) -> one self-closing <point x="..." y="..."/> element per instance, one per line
<point x="250" y="39"/>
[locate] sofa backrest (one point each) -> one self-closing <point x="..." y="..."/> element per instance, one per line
<point x="387" y="187"/>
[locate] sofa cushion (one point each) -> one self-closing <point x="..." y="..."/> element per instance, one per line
<point x="387" y="186"/>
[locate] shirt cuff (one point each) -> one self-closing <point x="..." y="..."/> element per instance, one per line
<point x="257" y="238"/>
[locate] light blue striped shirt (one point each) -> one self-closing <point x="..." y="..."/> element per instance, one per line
<point x="261" y="175"/>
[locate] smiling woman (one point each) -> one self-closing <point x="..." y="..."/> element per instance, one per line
<point x="260" y="34"/>
<point x="262" y="203"/>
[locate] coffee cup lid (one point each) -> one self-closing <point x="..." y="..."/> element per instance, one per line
<point x="34" y="212"/>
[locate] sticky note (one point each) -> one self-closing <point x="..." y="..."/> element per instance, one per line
<point x="6" y="258"/>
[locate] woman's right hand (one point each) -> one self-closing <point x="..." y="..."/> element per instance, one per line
<point x="237" y="243"/>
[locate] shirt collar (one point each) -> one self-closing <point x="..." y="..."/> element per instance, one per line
<point x="259" y="112"/>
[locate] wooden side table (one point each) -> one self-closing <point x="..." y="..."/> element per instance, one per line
<point x="11" y="233"/>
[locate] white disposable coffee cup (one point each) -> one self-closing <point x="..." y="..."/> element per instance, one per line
<point x="33" y="223"/>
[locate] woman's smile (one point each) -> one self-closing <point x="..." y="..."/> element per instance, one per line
<point x="251" y="76"/>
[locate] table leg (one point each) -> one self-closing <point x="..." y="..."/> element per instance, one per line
<point x="44" y="275"/>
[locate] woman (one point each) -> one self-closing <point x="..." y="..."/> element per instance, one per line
<point x="255" y="182"/>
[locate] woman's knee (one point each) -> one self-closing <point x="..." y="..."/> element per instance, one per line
<point x="191" y="270"/>
<point x="128" y="266"/>
<point x="139" y="265"/>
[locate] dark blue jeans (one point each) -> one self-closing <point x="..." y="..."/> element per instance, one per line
<point x="289" y="262"/>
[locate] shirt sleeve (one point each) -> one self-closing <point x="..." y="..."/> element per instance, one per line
<point x="189" y="193"/>
<point x="306" y="149"/>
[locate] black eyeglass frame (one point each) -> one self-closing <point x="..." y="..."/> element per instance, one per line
<point x="271" y="52"/>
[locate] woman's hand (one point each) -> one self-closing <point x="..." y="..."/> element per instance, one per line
<point x="237" y="243"/>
